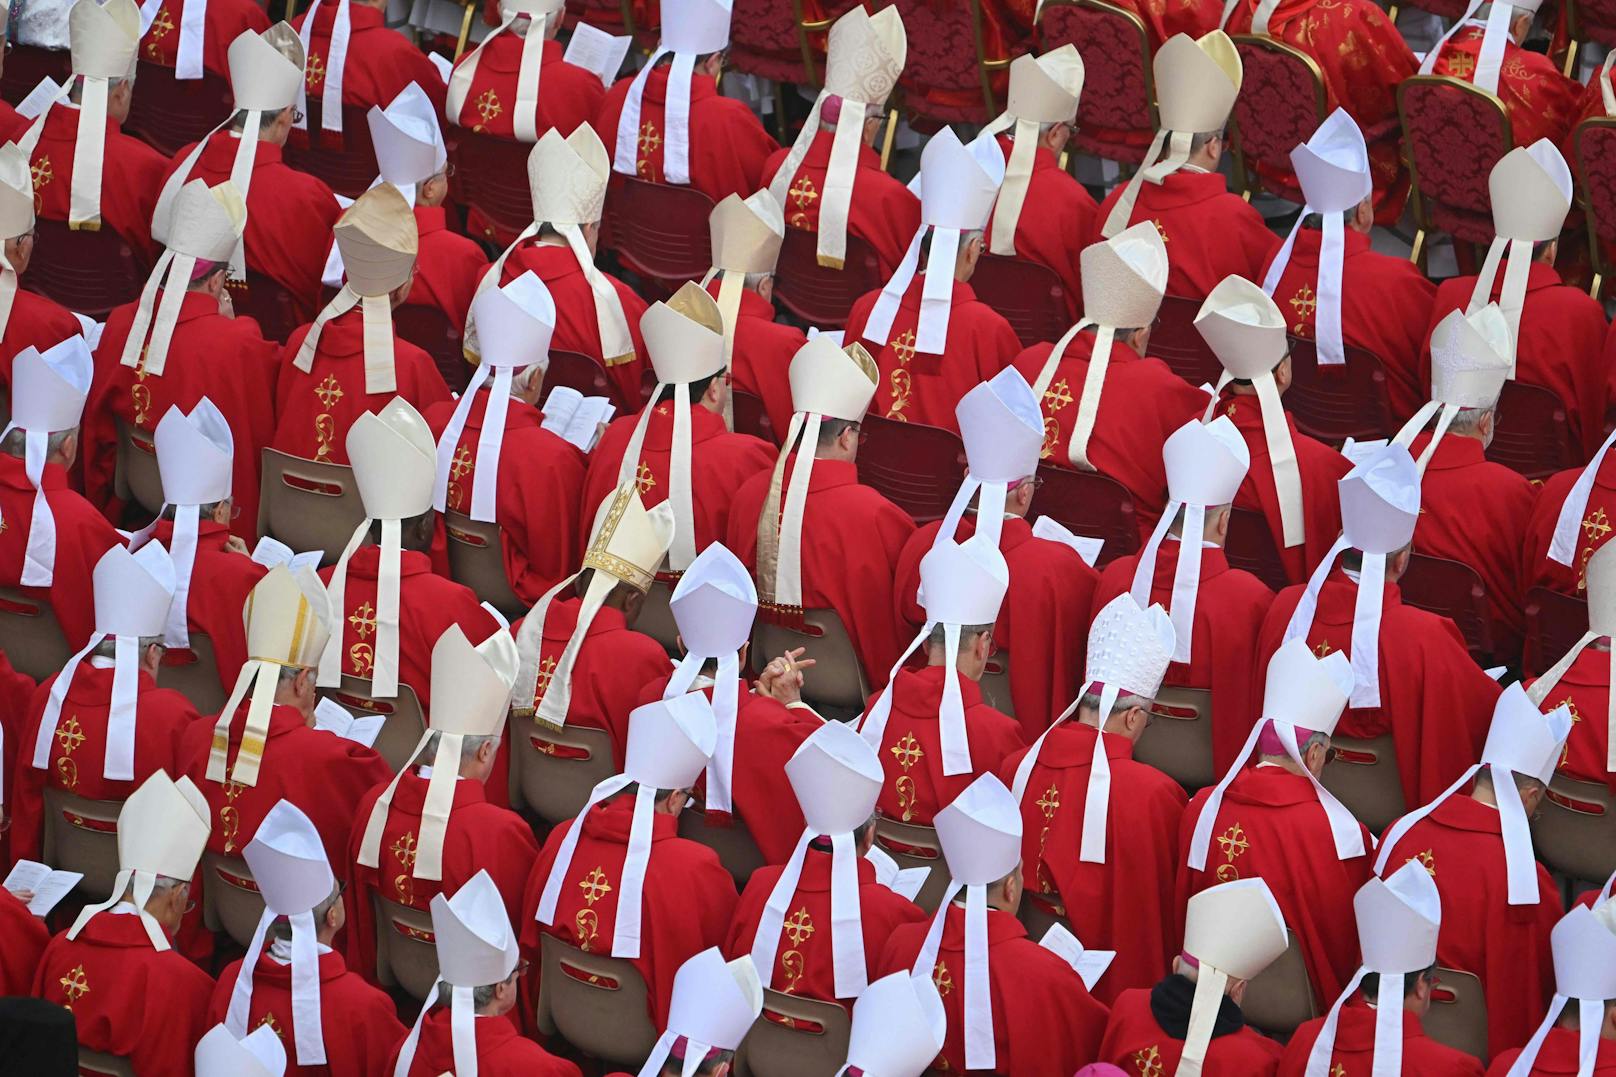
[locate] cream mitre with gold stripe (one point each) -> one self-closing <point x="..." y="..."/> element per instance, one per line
<point x="746" y="236"/>
<point x="16" y="218"/>
<point x="1043" y="90"/>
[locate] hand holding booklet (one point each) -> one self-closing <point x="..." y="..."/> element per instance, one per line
<point x="333" y="718"/>
<point x="47" y="886"/>
<point x="597" y="51"/>
<point x="1089" y="965"/>
<point x="576" y="418"/>
<point x="902" y="881"/>
<point x="270" y="552"/>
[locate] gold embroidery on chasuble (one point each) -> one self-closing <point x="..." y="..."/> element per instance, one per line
<point x="1234" y="843"/>
<point x="404" y="852"/>
<point x="900" y="382"/>
<point x="69" y="735"/>
<point x="74" y="986"/>
<point x="907" y="752"/>
<point x="586" y="923"/>
<point x="799" y="928"/>
<point x="648" y="142"/>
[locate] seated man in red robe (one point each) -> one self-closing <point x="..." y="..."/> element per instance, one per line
<point x="100" y="175"/>
<point x="1581" y="681"/>
<point x="1217" y="610"/>
<point x="539" y="475"/>
<point x="1498" y="903"/>
<point x="117" y="959"/>
<point x="836" y="195"/>
<point x="1211" y="232"/>
<point x="1584" y="1026"/>
<point x="1232" y="931"/>
<point x="1274" y="821"/>
<point x="191" y="52"/>
<point x="696" y="469"/>
<point x="931" y="354"/>
<point x="26" y="938"/>
<point x="1108" y="871"/>
<point x="148" y="362"/>
<point x="1557" y="330"/>
<point x="1040" y="636"/>
<point x="1538" y="99"/>
<point x="1119" y="432"/>
<point x="487" y="92"/>
<point x="80" y="736"/>
<point x="1571" y="519"/>
<point x="290" y="214"/>
<point x="847" y="537"/>
<point x="378" y="62"/>
<point x="626" y="842"/>
<point x="836" y="777"/>
<point x="669" y="124"/>
<point x="1043" y="1021"/>
<point x="350" y="360"/>
<point x="935" y="732"/>
<point x="33" y="321"/>
<point x="272" y="706"/>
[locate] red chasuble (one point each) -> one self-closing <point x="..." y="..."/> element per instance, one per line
<point x="1229" y="611"/>
<point x="1209" y="232"/>
<point x="719" y="463"/>
<point x="110" y="977"/>
<point x="1585" y="688"/>
<point x="1141" y="404"/>
<point x="82" y="536"/>
<point x="915" y="788"/>
<point x="1457" y="480"/>
<point x="805" y="965"/>
<point x="35" y="322"/>
<point x="13" y="124"/>
<point x="1164" y="18"/>
<point x="501" y="1051"/>
<point x="568" y="95"/>
<point x="221" y="580"/>
<point x="1540" y="101"/>
<point x="1559" y="1057"/>
<point x="1124" y="904"/>
<point x="728" y="144"/>
<point x="1435" y="701"/>
<point x="131" y="176"/>
<point x="1321" y="468"/>
<point x="613" y="664"/>
<point x="290" y="215"/>
<point x="225" y="20"/>
<point x="359" y="1022"/>
<point x="323" y="774"/>
<point x="1057" y="209"/>
<point x="541" y="481"/>
<point x="1385" y="308"/>
<point x="447" y="267"/>
<point x="1561" y="345"/>
<point x="1598" y="520"/>
<point x="1355" y="1047"/>
<point x="767" y="734"/>
<point x="241" y="386"/>
<point x="918" y="388"/>
<point x="381" y="62"/>
<point x="934" y="39"/>
<point x="1043" y="634"/>
<point x="79" y="749"/>
<point x="26" y="936"/>
<point x="16" y="689"/>
<point x="884" y="213"/>
<point x="1506" y="945"/>
<point x="577" y="329"/>
<point x="687" y="900"/>
<point x="761" y="361"/>
<point x="1135" y="1042"/>
<point x="1045" y="1023"/>
<point x="428" y="605"/>
<point x="1271" y="826"/>
<point x="313" y="411"/>
<point x="480" y="836"/>
<point x="852" y="537"/>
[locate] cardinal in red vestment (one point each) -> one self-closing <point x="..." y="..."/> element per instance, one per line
<point x="1148" y="1027"/>
<point x="1560" y="1055"/>
<point x="26" y="936"/>
<point x="501" y="1050"/>
<point x="1584" y="688"/>
<point x="224" y="22"/>
<point x="221" y="578"/>
<point x="569" y="95"/>
<point x="1355" y="1038"/>
<point x="1586" y="534"/>
<point x="33" y="321"/>
<point x="379" y="62"/>
<point x="1539" y="100"/>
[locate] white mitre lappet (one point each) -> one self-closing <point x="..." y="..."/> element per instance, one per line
<point x="1003" y="433"/>
<point x="690" y="29"/>
<point x="1043" y="90"/>
<point x="48" y="390"/>
<point x="529" y="69"/>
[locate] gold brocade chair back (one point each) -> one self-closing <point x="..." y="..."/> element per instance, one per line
<point x="599" y="1004"/>
<point x="406" y="950"/>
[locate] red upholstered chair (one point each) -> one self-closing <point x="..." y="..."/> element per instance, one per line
<point x="1585" y="21"/>
<point x="27" y="64"/>
<point x="429" y="329"/>
<point x="642" y="20"/>
<point x="1030" y="296"/>
<point x="90" y="272"/>
<point x="1117" y="93"/>
<point x="1334" y="403"/>
<point x="1454" y="590"/>
<point x="346" y="162"/>
<point x="1281" y="104"/>
<point x="579" y="371"/>
<point x="817" y="294"/>
<point x="276" y="310"/>
<point x="1090" y="504"/>
<point x="752" y="418"/>
<point x="1176" y="342"/>
<point x="170" y="113"/>
<point x="1593" y="151"/>
<point x="917" y="467"/>
<point x="1251" y="546"/>
<point x="490" y="178"/>
<point x="774" y="39"/>
<point x="1533" y="436"/>
<point x="660" y="230"/>
<point x="948" y="51"/>
<point x="1554" y="623"/>
<point x="1453" y="134"/>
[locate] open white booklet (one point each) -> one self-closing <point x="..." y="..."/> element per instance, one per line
<point x="1087" y="548"/>
<point x="597" y="51"/>
<point x="47" y="886"/>
<point x="334" y="718"/>
<point x="1089" y="965"/>
<point x="904" y="881"/>
<point x="271" y="552"/>
<point x="576" y="418"/>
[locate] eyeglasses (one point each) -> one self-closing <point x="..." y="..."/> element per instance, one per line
<point x="1035" y="481"/>
<point x="1329" y="756"/>
<point x="298" y="116"/>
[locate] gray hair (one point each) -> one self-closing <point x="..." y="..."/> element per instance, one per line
<point x="967" y="633"/>
<point x="1198" y="141"/>
<point x="755" y="281"/>
<point x="16" y="442"/>
<point x="481" y="997"/>
<point x="468" y="748"/>
<point x="108" y="648"/>
<point x="1125" y="701"/>
<point x="281" y="927"/>
<point x="1468" y="420"/>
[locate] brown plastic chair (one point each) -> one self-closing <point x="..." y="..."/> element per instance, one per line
<point x="656" y="614"/>
<point x="839" y="684"/>
<point x="230" y="899"/>
<point x="406" y="950"/>
<point x="599" y="1004"/>
<point x="1458" y="1014"/>
<point x="308" y="504"/>
<point x="1281" y="996"/>
<point x="476" y="560"/>
<point x="995" y="683"/>
<point x="1040" y="912"/>
<point x="915" y="846"/>
<point x="1363" y="776"/>
<point x="1554" y="623"/>
<point x="82" y="835"/>
<point x="100" y="1064"/>
<point x="403" y="725"/>
<point x="194" y="673"/>
<point x="1179" y="740"/>
<point x="794" y="1037"/>
<point x="34" y="643"/>
<point x="136" y="476"/>
<point x="736" y="848"/>
<point x="553" y="770"/>
<point x="1576" y="833"/>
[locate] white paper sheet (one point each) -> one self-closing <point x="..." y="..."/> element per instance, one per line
<point x="1089" y="965"/>
<point x="576" y="418"/>
<point x="906" y="882"/>
<point x="47" y="886"/>
<point x="271" y="552"/>
<point x="595" y="50"/>
<point x="1087" y="548"/>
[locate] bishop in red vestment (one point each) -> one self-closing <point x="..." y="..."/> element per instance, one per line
<point x="1598" y="520"/>
<point x="224" y="22"/>
<point x="131" y="173"/>
<point x="1148" y="1026"/>
<point x="1165" y="18"/>
<point x="380" y="61"/>
<point x="1057" y="208"/>
<point x="35" y="322"/>
<point x="1355" y="1045"/>
<point x="449" y="265"/>
<point x="1559" y="1056"/>
<point x="1539" y="100"/>
<point x="569" y="95"/>
<point x="763" y="352"/>
<point x="221" y="578"/>
<point x="1585" y="689"/>
<point x="26" y="937"/>
<point x="501" y="1050"/>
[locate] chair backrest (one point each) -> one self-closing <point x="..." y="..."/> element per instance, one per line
<point x="656" y="613"/>
<point x="194" y="673"/>
<point x="347" y="162"/>
<point x="1554" y="623"/>
<point x="406" y="950"/>
<point x="599" y="1004"/>
<point x="429" y="329"/>
<point x="491" y="177"/>
<point x="1458" y="1013"/>
<point x="136" y="476"/>
<point x="660" y="230"/>
<point x="947" y="52"/>
<point x="308" y="504"/>
<point x="553" y="770"/>
<point x="1118" y="92"/>
<point x="1589" y="20"/>
<point x="840" y="684"/>
<point x="751" y="417"/>
<point x="82" y="835"/>
<point x="34" y="643"/>
<point x="1453" y="134"/>
<point x="101" y="1064"/>
<point x="1334" y="403"/>
<point x="1281" y="996"/>
<point x="27" y="64"/>
<point x="1090" y="504"/>
<point x="1455" y="591"/>
<point x="995" y="683"/>
<point x="1533" y="437"/>
<point x="476" y="560"/>
<point x="403" y="718"/>
<point x="1178" y="741"/>
<point x="765" y="26"/>
<point x="88" y="272"/>
<point x="820" y="295"/>
<point x="913" y="845"/>
<point x="1176" y="342"/>
<point x="1363" y="776"/>
<point x="914" y="466"/>
<point x="1281" y="103"/>
<point x="170" y="114"/>
<point x="578" y="371"/>
<point x="1031" y="296"/>
<point x="277" y="311"/>
<point x="230" y="899"/>
<point x="728" y="837"/>
<point x="1575" y="834"/>
<point x="795" y="1037"/>
<point x="1250" y="546"/>
<point x="1593" y="155"/>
